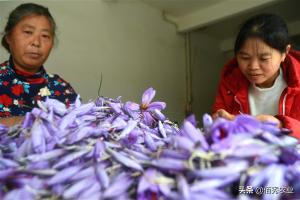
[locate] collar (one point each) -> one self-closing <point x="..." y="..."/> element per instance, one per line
<point x="278" y="83"/>
<point x="32" y="78"/>
<point x="291" y="69"/>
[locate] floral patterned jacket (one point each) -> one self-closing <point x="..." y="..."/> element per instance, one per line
<point x="20" y="91"/>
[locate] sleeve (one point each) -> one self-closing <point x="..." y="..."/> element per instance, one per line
<point x="290" y="123"/>
<point x="220" y="97"/>
<point x="65" y="92"/>
<point x="70" y="93"/>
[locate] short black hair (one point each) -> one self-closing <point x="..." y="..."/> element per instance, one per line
<point x="22" y="11"/>
<point x="270" y="28"/>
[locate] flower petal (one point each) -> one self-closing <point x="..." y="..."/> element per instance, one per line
<point x="147" y="97"/>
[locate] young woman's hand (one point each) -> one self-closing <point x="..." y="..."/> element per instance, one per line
<point x="268" y="118"/>
<point x="224" y="114"/>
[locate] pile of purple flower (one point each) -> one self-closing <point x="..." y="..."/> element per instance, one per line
<point x="107" y="149"/>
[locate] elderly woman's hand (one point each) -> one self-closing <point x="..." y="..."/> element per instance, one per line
<point x="269" y="118"/>
<point x="224" y="114"/>
<point x="11" y="121"/>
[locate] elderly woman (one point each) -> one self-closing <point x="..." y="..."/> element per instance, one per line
<point x="29" y="37"/>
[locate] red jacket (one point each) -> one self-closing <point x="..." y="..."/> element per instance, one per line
<point x="232" y="94"/>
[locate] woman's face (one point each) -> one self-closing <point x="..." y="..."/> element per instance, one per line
<point x="30" y="42"/>
<point x="259" y="62"/>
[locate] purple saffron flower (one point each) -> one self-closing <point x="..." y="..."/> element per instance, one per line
<point x="5" y="173"/>
<point x="64" y="175"/>
<point x="277" y="180"/>
<point x="183" y="187"/>
<point x="147" y="186"/>
<point x="57" y="106"/>
<point x="192" y="120"/>
<point x="7" y="163"/>
<point x="184" y="143"/>
<point x="46" y="156"/>
<point x="138" y="155"/>
<point x="194" y="134"/>
<point x="28" y="121"/>
<point x="170" y="164"/>
<point x="23" y="193"/>
<point x="177" y="154"/>
<point x="102" y="175"/>
<point x="119" y="186"/>
<point x="3" y="129"/>
<point x="132" y="109"/>
<point x="157" y="114"/>
<point x="267" y="159"/>
<point x="146" y="104"/>
<point x="231" y="169"/>
<point x="131" y="138"/>
<point x="67" y="120"/>
<point x="83" y="132"/>
<point x="148" y="119"/>
<point x="116" y="107"/>
<point x="93" y="192"/>
<point x="24" y="149"/>
<point x="147" y="97"/>
<point x="99" y="149"/>
<point x="149" y="141"/>
<point x="261" y="177"/>
<point x="158" y="105"/>
<point x="131" y="125"/>
<point x="70" y="157"/>
<point x="83" y="173"/>
<point x="125" y="160"/>
<point x="207" y="122"/>
<point x="78" y="187"/>
<point x="222" y="128"/>
<point x="38" y="137"/>
<point x="119" y="123"/>
<point x="162" y="129"/>
<point x="212" y="194"/>
<point x="289" y="155"/>
<point x="213" y="183"/>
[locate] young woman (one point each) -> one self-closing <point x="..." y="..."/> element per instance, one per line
<point x="29" y="37"/>
<point x="263" y="79"/>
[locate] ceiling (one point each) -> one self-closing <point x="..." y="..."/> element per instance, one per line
<point x="190" y="15"/>
<point x="179" y="8"/>
<point x="288" y="9"/>
<point x="221" y="19"/>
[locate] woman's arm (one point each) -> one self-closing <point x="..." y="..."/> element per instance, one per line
<point x="10" y="121"/>
<point x="219" y="108"/>
<point x="219" y="99"/>
<point x="290" y="123"/>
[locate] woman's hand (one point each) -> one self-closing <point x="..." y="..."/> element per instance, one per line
<point x="224" y="114"/>
<point x="11" y="121"/>
<point x="268" y="118"/>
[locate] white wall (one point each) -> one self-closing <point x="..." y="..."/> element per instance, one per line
<point x="207" y="62"/>
<point x="127" y="41"/>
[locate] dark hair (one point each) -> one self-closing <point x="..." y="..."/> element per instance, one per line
<point x="22" y="11"/>
<point x="270" y="28"/>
